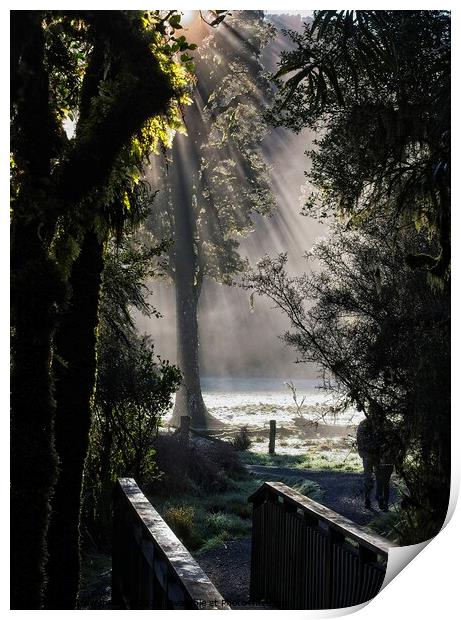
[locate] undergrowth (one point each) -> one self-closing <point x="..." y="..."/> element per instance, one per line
<point x="316" y="459"/>
<point x="204" y="522"/>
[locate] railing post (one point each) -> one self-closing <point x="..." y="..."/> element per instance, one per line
<point x="258" y="539"/>
<point x="366" y="555"/>
<point x="272" y="432"/>
<point x="334" y="538"/>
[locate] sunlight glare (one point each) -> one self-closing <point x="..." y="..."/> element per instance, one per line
<point x="188" y="17"/>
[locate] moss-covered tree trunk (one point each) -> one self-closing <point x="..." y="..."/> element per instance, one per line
<point x="74" y="369"/>
<point x="36" y="288"/>
<point x="41" y="197"/>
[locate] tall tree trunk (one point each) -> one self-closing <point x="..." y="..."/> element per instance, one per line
<point x="75" y="368"/>
<point x="35" y="287"/>
<point x="189" y="399"/>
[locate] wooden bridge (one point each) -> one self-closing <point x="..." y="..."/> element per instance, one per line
<point x="151" y="568"/>
<point x="304" y="556"/>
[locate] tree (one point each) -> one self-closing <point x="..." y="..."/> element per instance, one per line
<point x="133" y="389"/>
<point x="381" y="336"/>
<point x="217" y="180"/>
<point x="376" y="86"/>
<point x="118" y="74"/>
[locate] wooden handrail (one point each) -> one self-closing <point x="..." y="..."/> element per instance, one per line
<point x="306" y="556"/>
<point x="345" y="526"/>
<point x="151" y="568"/>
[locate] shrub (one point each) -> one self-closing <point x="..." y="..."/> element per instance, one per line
<point x="242" y="441"/>
<point x="221" y="527"/>
<point x="201" y="468"/>
<point x="181" y="519"/>
<point x="172" y="462"/>
<point x="133" y="392"/>
<point x="225" y="522"/>
<point x="215" y="541"/>
<point x="235" y="504"/>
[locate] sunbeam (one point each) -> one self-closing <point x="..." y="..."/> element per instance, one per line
<point x="235" y="341"/>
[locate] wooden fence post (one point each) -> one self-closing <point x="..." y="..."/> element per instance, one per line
<point x="117" y="551"/>
<point x="272" y="431"/>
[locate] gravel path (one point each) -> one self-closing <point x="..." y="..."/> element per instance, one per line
<point x="229" y="566"/>
<point x="343" y="492"/>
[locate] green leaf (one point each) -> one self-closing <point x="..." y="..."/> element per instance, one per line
<point x="175" y="20"/>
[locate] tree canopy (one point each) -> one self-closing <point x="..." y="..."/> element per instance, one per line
<point x="375" y="85"/>
<point x="220" y="162"/>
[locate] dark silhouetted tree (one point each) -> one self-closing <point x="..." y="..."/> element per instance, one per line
<point x="382" y="337"/>
<point x="375" y="85"/>
<point x="117" y="73"/>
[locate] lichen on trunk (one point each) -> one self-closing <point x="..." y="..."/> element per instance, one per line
<point x="189" y="399"/>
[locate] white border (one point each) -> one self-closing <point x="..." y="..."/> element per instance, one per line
<point x="429" y="588"/>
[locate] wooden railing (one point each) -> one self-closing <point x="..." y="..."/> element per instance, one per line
<point x="306" y="556"/>
<point x="151" y="568"/>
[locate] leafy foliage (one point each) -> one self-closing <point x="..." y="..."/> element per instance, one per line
<point x="128" y="265"/>
<point x="376" y="86"/>
<point x="381" y="337"/>
<point x="134" y="387"/>
<point x="225" y="172"/>
<point x="133" y="392"/>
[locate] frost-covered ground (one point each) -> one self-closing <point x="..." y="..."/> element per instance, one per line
<point x="252" y="402"/>
<point x="255" y="401"/>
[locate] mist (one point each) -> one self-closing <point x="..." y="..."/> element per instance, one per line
<point x="237" y="339"/>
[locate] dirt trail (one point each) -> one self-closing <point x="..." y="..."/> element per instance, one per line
<point x="342" y="491"/>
